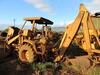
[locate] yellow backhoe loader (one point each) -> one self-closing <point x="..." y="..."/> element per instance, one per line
<point x="30" y="43"/>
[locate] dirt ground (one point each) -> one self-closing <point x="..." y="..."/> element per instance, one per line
<point x="81" y="62"/>
<point x="10" y="66"/>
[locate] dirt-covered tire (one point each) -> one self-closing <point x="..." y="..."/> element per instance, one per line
<point x="26" y="53"/>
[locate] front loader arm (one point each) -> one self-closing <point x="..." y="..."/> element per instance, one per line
<point x="13" y="39"/>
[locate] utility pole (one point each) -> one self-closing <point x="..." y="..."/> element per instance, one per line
<point x="14" y="22"/>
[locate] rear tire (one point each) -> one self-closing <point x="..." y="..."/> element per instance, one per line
<point x="26" y="53"/>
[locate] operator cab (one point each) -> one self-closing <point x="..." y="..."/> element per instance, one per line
<point x="40" y="21"/>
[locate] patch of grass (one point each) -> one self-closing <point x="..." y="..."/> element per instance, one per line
<point x="49" y="68"/>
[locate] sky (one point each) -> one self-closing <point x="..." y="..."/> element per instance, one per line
<point x="61" y="12"/>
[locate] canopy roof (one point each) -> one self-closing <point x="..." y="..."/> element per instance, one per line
<point x="39" y="20"/>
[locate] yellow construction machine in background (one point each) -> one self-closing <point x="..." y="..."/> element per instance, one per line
<point x="88" y="39"/>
